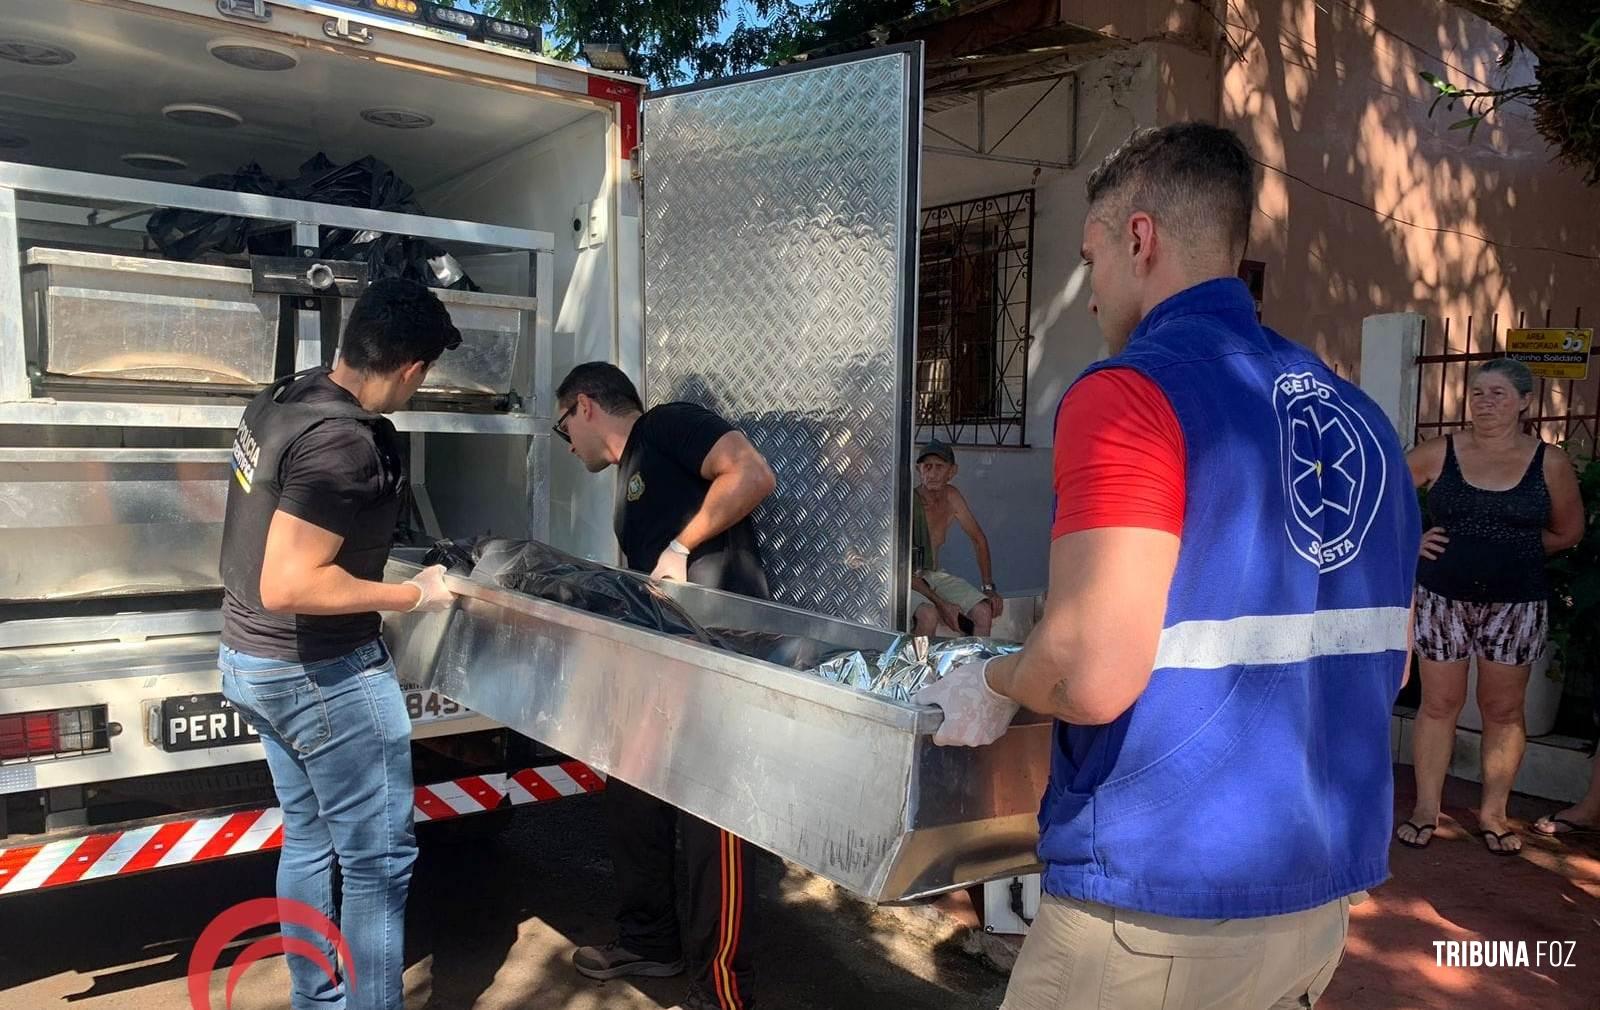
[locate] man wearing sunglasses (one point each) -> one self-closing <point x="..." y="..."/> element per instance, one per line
<point x="687" y="484"/>
<point x="316" y="491"/>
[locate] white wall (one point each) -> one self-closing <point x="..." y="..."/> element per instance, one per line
<point x="1010" y="489"/>
<point x="538" y="186"/>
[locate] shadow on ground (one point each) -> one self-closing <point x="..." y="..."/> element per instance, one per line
<point x="491" y="923"/>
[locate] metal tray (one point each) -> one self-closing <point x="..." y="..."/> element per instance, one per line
<point x="492" y="328"/>
<point x="99" y="316"/>
<point x="844" y="783"/>
<point x="78" y="523"/>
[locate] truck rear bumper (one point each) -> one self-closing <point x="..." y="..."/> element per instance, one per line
<point x="60" y="859"/>
<point x="131" y="679"/>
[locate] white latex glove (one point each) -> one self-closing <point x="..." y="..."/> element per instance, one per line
<point x="974" y="715"/>
<point x="436" y="595"/>
<point x="672" y="565"/>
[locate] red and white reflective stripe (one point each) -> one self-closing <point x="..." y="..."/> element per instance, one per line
<point x="119" y="853"/>
<point x="538" y="785"/>
<point x="471" y="795"/>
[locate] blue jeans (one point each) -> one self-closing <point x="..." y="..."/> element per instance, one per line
<point x="338" y="743"/>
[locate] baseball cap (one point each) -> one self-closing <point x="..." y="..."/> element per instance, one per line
<point x="937" y="448"/>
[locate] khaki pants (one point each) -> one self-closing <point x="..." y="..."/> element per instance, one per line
<point x="1083" y="956"/>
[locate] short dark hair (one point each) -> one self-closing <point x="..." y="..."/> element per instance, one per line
<point x="396" y="322"/>
<point x="1194" y="178"/>
<point x="602" y="382"/>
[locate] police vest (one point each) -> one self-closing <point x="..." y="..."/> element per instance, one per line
<point x="265" y="433"/>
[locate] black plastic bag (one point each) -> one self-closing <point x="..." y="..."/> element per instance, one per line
<point x="793" y="651"/>
<point x="367" y="183"/>
<point x="540" y="570"/>
<point x="190" y="234"/>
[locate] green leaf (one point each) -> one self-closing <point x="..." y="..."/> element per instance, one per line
<point x="1575" y="585"/>
<point x="1470" y="123"/>
<point x="1443" y="86"/>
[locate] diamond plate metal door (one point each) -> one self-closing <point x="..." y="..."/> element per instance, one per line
<point x="780" y="289"/>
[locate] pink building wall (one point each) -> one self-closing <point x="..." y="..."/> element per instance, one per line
<point x="1366" y="204"/>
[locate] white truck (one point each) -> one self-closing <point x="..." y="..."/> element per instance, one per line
<point x="750" y="245"/>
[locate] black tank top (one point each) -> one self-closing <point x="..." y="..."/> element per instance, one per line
<point x="1496" y="548"/>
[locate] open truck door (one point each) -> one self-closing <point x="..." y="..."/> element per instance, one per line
<point x="780" y="283"/>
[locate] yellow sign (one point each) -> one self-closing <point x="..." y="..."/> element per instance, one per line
<point x="1552" y="354"/>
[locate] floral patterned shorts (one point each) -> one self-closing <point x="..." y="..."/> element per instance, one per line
<point x="1512" y="634"/>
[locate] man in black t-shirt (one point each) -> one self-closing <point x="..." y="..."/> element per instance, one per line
<point x="311" y="513"/>
<point x="686" y="486"/>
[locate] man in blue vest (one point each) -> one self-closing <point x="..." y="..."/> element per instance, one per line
<point x="1235" y="540"/>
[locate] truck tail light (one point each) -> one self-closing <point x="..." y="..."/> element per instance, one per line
<point x="62" y="732"/>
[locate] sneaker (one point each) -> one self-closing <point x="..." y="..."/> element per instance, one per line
<point x="616" y="961"/>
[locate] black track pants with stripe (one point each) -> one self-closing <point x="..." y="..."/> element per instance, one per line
<point x="642" y="833"/>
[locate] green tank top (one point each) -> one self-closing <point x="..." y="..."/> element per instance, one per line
<point x="924" y="558"/>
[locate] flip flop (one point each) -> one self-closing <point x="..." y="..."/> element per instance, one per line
<point x="1500" y="841"/>
<point x="1418" y="842"/>
<point x="1566" y="827"/>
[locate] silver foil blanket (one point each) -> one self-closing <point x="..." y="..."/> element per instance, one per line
<point x="909" y="665"/>
<point x="527" y="566"/>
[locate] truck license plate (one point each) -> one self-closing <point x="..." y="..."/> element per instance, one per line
<point x="426" y="706"/>
<point x="202" y="720"/>
<point x="209" y="720"/>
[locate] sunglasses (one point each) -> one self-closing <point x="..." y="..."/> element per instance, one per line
<point x="560" y="427"/>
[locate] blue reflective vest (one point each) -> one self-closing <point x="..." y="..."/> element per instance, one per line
<point x="1252" y="777"/>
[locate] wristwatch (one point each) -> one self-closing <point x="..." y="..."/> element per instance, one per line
<point x="988" y="587"/>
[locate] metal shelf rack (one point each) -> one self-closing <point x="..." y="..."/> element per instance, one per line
<point x="20" y="405"/>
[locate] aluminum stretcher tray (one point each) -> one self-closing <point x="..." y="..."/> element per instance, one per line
<point x="842" y="782"/>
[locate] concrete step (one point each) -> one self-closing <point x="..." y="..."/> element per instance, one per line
<point x="1554" y="768"/>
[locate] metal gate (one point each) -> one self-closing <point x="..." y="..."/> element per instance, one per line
<point x="1565" y="411"/>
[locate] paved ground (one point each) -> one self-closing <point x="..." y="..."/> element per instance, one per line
<point x="492" y="923"/>
<point x="490" y="927"/>
<point x="1455" y="890"/>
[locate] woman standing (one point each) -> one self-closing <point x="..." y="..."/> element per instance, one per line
<point x="1500" y="501"/>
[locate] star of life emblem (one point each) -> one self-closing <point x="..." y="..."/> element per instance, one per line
<point x="1334" y="470"/>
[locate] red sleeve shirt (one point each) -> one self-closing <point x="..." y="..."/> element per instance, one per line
<point x="1119" y="456"/>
